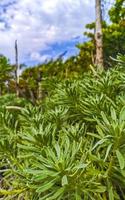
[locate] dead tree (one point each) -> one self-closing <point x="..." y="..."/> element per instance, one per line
<point x="99" y="36"/>
<point x="17" y="69"/>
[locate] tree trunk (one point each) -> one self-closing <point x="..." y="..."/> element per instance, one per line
<point x="17" y="69"/>
<point x="0" y="89"/>
<point x="32" y="96"/>
<point x="99" y="36"/>
<point x="40" y="92"/>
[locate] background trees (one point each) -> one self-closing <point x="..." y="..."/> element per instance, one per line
<point x="113" y="43"/>
<point x="5" y="74"/>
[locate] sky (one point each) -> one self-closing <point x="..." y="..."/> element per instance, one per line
<point x="43" y="28"/>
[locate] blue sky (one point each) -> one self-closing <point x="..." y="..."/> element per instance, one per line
<point x="43" y="28"/>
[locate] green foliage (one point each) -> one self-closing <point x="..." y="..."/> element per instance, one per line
<point x="5" y="74"/>
<point x="12" y="100"/>
<point x="71" y="146"/>
<point x="32" y="79"/>
<point x="117" y="12"/>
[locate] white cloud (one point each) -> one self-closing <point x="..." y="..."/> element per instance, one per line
<point x="36" y="56"/>
<point x="38" y="24"/>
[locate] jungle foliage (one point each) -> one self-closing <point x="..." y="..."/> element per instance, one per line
<point x="63" y="137"/>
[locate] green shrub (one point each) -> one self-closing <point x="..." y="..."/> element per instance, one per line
<point x="71" y="146"/>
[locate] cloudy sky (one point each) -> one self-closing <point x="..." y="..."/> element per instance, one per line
<point x="43" y="28"/>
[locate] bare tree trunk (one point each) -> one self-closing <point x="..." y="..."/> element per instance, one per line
<point x="99" y="36"/>
<point x="32" y="96"/>
<point x="0" y="89"/>
<point x="17" y="69"/>
<point x="39" y="82"/>
<point x="40" y="92"/>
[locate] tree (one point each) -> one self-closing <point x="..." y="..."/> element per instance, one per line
<point x="99" y="36"/>
<point x="5" y="73"/>
<point x="113" y="38"/>
<point x="117" y="12"/>
<point x="17" y="69"/>
<point x="114" y="33"/>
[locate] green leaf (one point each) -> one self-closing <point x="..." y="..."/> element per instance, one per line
<point x="45" y="186"/>
<point x="77" y="196"/>
<point x="45" y="197"/>
<point x="105" y="118"/>
<point x="57" y="147"/>
<point x="81" y="166"/>
<point x="57" y="194"/>
<point x="10" y="192"/>
<point x="94" y="135"/>
<point x="107" y="152"/>
<point x="100" y="189"/>
<point x="100" y="132"/>
<point x="100" y="142"/>
<point x="120" y="159"/>
<point x="113" y="114"/>
<point x="64" y="180"/>
<point x="111" y="195"/>
<point x="122" y="114"/>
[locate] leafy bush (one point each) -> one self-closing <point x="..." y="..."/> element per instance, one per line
<point x="72" y="146"/>
<point x="12" y="100"/>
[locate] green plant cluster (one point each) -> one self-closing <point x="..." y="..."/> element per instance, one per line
<point x="65" y="139"/>
<point x="69" y="147"/>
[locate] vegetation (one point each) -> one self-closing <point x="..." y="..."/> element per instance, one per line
<point x="113" y="37"/>
<point x="63" y="137"/>
<point x="71" y="146"/>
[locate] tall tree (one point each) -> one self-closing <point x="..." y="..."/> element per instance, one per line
<point x="98" y="36"/>
<point x="113" y="37"/>
<point x="17" y="69"/>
